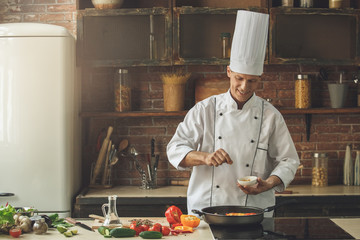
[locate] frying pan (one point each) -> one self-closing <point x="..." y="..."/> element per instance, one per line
<point x="217" y="215"/>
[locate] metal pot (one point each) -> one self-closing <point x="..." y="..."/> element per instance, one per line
<point x="217" y="215"/>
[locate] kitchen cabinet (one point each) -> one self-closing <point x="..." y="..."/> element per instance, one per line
<point x="187" y="32"/>
<point x="197" y="34"/>
<point x="305" y="35"/>
<point x="124" y="37"/>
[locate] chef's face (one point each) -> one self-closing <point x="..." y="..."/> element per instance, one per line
<point x="242" y="86"/>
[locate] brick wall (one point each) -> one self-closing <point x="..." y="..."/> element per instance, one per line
<point x="57" y="12"/>
<point x="329" y="133"/>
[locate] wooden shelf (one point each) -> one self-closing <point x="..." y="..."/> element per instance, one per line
<point x="294" y="111"/>
<point x="131" y="114"/>
<point x="183" y="113"/>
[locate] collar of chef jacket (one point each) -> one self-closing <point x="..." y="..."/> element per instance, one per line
<point x="232" y="105"/>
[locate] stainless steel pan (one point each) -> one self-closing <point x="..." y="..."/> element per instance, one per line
<point x="217" y="215"/>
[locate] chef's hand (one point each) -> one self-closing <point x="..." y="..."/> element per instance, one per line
<point x="217" y="158"/>
<point x="261" y="186"/>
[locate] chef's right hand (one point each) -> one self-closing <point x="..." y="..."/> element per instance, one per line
<point x="217" y="158"/>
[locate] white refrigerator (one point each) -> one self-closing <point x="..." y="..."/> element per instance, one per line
<point x="39" y="127"/>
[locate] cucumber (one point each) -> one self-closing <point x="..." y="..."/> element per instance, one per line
<point x="102" y="229"/>
<point x="151" y="235"/>
<point x="122" y="232"/>
<point x="107" y="233"/>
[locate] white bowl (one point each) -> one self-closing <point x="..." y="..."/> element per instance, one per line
<point x="107" y="4"/>
<point x="247" y="181"/>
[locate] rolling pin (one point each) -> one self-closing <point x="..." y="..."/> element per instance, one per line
<point x="101" y="157"/>
<point x="105" y="175"/>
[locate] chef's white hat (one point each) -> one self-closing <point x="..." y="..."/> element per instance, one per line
<point x="249" y="43"/>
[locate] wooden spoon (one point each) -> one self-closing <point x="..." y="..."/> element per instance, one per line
<point x="123" y="145"/>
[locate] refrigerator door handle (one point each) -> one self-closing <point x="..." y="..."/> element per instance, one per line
<point x="6" y="194"/>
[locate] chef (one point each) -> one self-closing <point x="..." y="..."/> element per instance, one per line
<point x="236" y="134"/>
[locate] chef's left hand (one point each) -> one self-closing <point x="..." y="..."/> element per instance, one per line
<point x="261" y="186"/>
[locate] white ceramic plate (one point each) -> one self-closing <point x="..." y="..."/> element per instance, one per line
<point x="247" y="181"/>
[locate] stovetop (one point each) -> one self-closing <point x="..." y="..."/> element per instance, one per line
<point x="283" y="228"/>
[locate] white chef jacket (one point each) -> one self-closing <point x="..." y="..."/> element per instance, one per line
<point x="257" y="140"/>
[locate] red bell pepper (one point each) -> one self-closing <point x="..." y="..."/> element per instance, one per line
<point x="173" y="215"/>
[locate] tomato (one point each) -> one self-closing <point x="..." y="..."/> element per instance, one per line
<point x="156" y="227"/>
<point x="190" y="220"/>
<point x="138" y="229"/>
<point x="173" y="214"/>
<point x="15" y="232"/>
<point x="145" y="227"/>
<point x="165" y="231"/>
<point x="184" y="229"/>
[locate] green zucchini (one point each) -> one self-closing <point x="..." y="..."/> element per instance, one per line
<point x="151" y="235"/>
<point x="122" y="232"/>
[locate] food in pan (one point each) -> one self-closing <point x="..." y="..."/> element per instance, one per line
<point x="240" y="214"/>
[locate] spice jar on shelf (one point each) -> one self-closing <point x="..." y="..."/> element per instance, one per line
<point x="302" y="91"/>
<point x="335" y="3"/>
<point x="306" y="3"/>
<point x="225" y="45"/>
<point x="287" y="3"/>
<point x="320" y="170"/>
<point x="122" y="91"/>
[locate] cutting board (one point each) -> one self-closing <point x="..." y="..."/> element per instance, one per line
<point x="98" y="221"/>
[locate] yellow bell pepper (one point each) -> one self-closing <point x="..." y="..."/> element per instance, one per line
<point x="190" y="220"/>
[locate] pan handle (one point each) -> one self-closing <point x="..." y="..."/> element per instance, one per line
<point x="269" y="209"/>
<point x="200" y="213"/>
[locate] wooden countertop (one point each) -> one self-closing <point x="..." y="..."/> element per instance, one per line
<point x="350" y="225"/>
<point x="203" y="232"/>
<point x="180" y="191"/>
<point x="333" y="190"/>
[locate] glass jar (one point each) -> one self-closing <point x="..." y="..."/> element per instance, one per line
<point x="287" y="3"/>
<point x="302" y="91"/>
<point x="40" y="226"/>
<point x="306" y="3"/>
<point x="225" y="45"/>
<point x="335" y="3"/>
<point x="122" y="91"/>
<point x="320" y="170"/>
